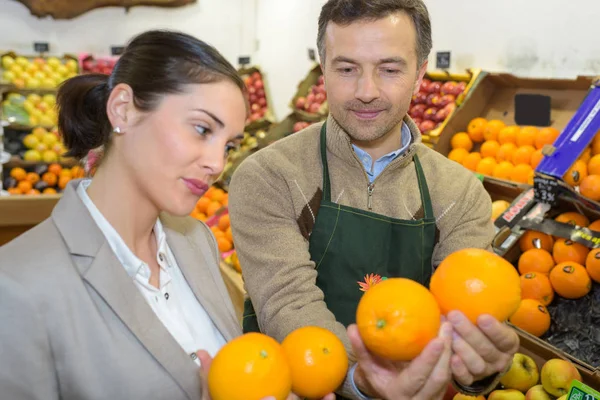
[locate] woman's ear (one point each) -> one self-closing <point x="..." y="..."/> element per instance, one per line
<point x="120" y="107"/>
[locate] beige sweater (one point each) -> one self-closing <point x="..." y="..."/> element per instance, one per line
<point x="274" y="198"/>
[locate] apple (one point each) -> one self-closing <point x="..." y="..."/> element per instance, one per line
<point x="557" y="376"/>
<point x="460" y="88"/>
<point x="434" y="99"/>
<point x="537" y="393"/>
<point x="314" y="108"/>
<point x="425" y="85"/>
<point x="319" y="98"/>
<point x="252" y="98"/>
<point x="434" y="87"/>
<point x="262" y="102"/>
<point x="509" y="394"/>
<point x="260" y="92"/>
<point x="417" y="121"/>
<point x="417" y="110"/>
<point x="259" y="84"/>
<point x="441" y="115"/>
<point x="522" y="375"/>
<point x="420" y="98"/>
<point x="251" y="90"/>
<point x="498" y="207"/>
<point x="448" y="87"/>
<point x="254" y="117"/>
<point x="447" y="99"/>
<point x="300" y="102"/>
<point x="426" y="126"/>
<point x="430" y="113"/>
<point x="254" y="107"/>
<point x="310" y="98"/>
<point x="460" y="396"/>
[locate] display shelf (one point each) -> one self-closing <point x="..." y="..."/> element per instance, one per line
<point x="21" y="213"/>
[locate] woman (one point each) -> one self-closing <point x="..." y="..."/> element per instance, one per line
<point x="118" y="294"/>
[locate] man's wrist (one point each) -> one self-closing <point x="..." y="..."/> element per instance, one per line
<point x="355" y="386"/>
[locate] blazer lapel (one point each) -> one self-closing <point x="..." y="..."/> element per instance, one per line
<point x="195" y="261"/>
<point x="108" y="277"/>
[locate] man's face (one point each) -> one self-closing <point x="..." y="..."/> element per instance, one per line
<point x="371" y="74"/>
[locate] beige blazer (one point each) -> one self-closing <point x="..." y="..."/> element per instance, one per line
<point x="74" y="326"/>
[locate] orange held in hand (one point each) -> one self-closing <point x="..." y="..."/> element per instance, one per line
<point x="250" y="367"/>
<point x="397" y="318"/>
<point x="317" y="359"/>
<point x="476" y="282"/>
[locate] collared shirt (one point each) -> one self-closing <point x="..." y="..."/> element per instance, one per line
<point x="173" y="302"/>
<point x="373" y="169"/>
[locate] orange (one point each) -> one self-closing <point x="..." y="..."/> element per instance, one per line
<point x="32" y="177"/>
<point x="546" y="136"/>
<point x="202" y="204"/>
<point x="461" y="140"/>
<point x="475" y="129"/>
<point x="50" y="178"/>
<point x="536" y="240"/>
<point x="224" y="244"/>
<point x="503" y="170"/>
<point x="568" y="251"/>
<point x="576" y="173"/>
<point x="505" y="152"/>
<point x="33" y="192"/>
<point x="63" y="181"/>
<point x="536" y="158"/>
<point x="18" y="173"/>
<point x="586" y="156"/>
<point x="489" y="148"/>
<point x="77" y="172"/>
<point x="595" y="226"/>
<point x="537" y="287"/>
<point x="573" y="218"/>
<point x="14" y="191"/>
<point x="317" y="360"/>
<point x="24" y="186"/>
<point x="251" y="366"/>
<point x="49" y="191"/>
<point x="509" y="135"/>
<point x="523" y="155"/>
<point x="570" y="280"/>
<point x="225" y="200"/>
<point x="532" y="316"/>
<point x="55" y="169"/>
<point x="66" y="172"/>
<point x="526" y="136"/>
<point x="212" y="208"/>
<point x="476" y="282"/>
<point x="521" y="173"/>
<point x="470" y="162"/>
<point x="486" y="166"/>
<point x="492" y="129"/>
<point x="596" y="144"/>
<point x="229" y="235"/>
<point x="458" y="155"/>
<point x="536" y="260"/>
<point x="460" y="396"/>
<point x="224" y="222"/>
<point x="590" y="187"/>
<point x="592" y="264"/>
<point x="594" y="165"/>
<point x="218" y="195"/>
<point x="219" y="234"/>
<point x="395" y="327"/>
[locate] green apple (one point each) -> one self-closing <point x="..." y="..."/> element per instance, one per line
<point x="523" y="374"/>
<point x="28" y="106"/>
<point x="34" y="98"/>
<point x="39" y="75"/>
<point x="50" y="100"/>
<point x="32" y="83"/>
<point x="16" y="69"/>
<point x="22" y="61"/>
<point x="32" y="155"/>
<point x="53" y="62"/>
<point x="49" y="156"/>
<point x="50" y="140"/>
<point x="8" y="76"/>
<point x="48" y="83"/>
<point x="62" y="70"/>
<point x="71" y="65"/>
<point x="7" y="62"/>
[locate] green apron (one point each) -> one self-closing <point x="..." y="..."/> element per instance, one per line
<point x="348" y="243"/>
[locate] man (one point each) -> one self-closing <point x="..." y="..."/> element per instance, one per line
<point x="315" y="213"/>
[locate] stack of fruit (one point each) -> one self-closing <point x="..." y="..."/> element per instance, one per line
<point x="41" y="179"/>
<point x="434" y="102"/>
<point x="98" y="65"/>
<point x="39" y="145"/>
<point x="298" y="126"/>
<point x="504" y="152"/>
<point x="36" y="73"/>
<point x="256" y="96"/>
<point x="32" y="110"/>
<point x="584" y="174"/>
<point x="315" y="100"/>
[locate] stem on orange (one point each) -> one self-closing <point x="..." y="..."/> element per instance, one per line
<point x="381" y="323"/>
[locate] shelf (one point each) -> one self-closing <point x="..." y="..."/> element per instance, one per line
<point x="25" y="128"/>
<point x="18" y="162"/>
<point x="9" y="88"/>
<point x="26" y="210"/>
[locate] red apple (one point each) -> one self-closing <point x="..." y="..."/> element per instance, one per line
<point x="434" y="99"/>
<point x="442" y="114"/>
<point x="417" y="110"/>
<point x="426" y="126"/>
<point x="262" y="102"/>
<point x="430" y="113"/>
<point x="417" y="121"/>
<point x="254" y="117"/>
<point x="88" y="65"/>
<point x="460" y="88"/>
<point x="319" y="98"/>
<point x="248" y="81"/>
<point x="450" y="107"/>
<point x="256" y="76"/>
<point x="255" y="107"/>
<point x="314" y="108"/>
<point x="321" y="80"/>
<point x="448" y="87"/>
<point x="420" y="98"/>
<point x="252" y="98"/>
<point x="301" y="102"/>
<point x="260" y="92"/>
<point x="435" y="87"/>
<point x="251" y="90"/>
<point x="310" y="98"/>
<point x="259" y="84"/>
<point x="425" y="85"/>
<point x="447" y="99"/>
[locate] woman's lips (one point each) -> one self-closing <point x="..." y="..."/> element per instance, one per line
<point x="197" y="187"/>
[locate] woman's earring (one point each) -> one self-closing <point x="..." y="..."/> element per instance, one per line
<point x="117" y="130"/>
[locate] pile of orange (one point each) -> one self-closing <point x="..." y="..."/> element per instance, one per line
<point x="585" y="172"/>
<point x="50" y="180"/>
<point x="506" y="152"/>
<point x="550" y="266"/>
<point x="208" y="205"/>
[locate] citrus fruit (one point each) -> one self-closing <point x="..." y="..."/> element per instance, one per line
<point x="521" y="173"/>
<point x="594" y="165"/>
<point x="461" y="140"/>
<point x="18" y="173"/>
<point x="475" y="129"/>
<point x="595" y="226"/>
<point x="586" y="156"/>
<point x="471" y="161"/>
<point x="576" y="173"/>
<point x="537" y="287"/>
<point x="505" y="152"/>
<point x="536" y="240"/>
<point x="32" y="177"/>
<point x="527" y="135"/>
<point x="531" y="316"/>
<point x="224" y="222"/>
<point x="592" y="265"/>
<point x="523" y="155"/>
<point x="212" y="208"/>
<point x="596" y="144"/>
<point x="224" y="244"/>
<point x="570" y="280"/>
<point x="458" y="155"/>
<point x="486" y="166"/>
<point x="202" y="204"/>
<point x="503" y="170"/>
<point x="536" y="158"/>
<point x="573" y="218"/>
<point x="492" y="129"/>
<point x="546" y="136"/>
<point x="565" y="250"/>
<point x="536" y="260"/>
<point x="590" y="187"/>
<point x="509" y="135"/>
<point x="317" y="360"/>
<point x="476" y="282"/>
<point x="489" y="148"/>
<point x="251" y="366"/>
<point x="397" y="327"/>
<point x="24" y="186"/>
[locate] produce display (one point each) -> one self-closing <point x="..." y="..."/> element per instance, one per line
<point x="434" y="102"/>
<point x="40" y="179"/>
<point x="256" y="96"/>
<point x="30" y="110"/>
<point x="584" y="174"/>
<point x="494" y="149"/>
<point x="97" y="65"/>
<point x="314" y="101"/>
<point x="38" y="72"/>
<point x="37" y="145"/>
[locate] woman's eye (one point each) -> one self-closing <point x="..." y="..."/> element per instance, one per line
<point x="202" y="130"/>
<point x="231" y="147"/>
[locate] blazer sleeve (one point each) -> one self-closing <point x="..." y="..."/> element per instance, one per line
<point x="26" y="366"/>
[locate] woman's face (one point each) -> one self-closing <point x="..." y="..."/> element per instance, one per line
<point x="177" y="151"/>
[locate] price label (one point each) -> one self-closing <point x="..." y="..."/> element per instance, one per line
<point x="244" y="60"/>
<point x="442" y="60"/>
<point x="117" y="50"/>
<point x="311" y="55"/>
<point x="579" y="391"/>
<point x="41" y="47"/>
<point x="546" y="190"/>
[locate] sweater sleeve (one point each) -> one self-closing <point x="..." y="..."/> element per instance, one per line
<point x="279" y="276"/>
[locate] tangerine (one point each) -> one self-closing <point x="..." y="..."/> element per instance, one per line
<point x="202" y="204"/>
<point x="594" y="165"/>
<point x="509" y="135"/>
<point x="224" y="222"/>
<point x="317" y="360"/>
<point x="489" y="148"/>
<point x="596" y="144"/>
<point x="14" y="191"/>
<point x="224" y="244"/>
<point x="590" y="187"/>
<point x="536" y="158"/>
<point x="576" y="173"/>
<point x="63" y="181"/>
<point x="49" y="190"/>
<point x="527" y="135"/>
<point x="32" y="177"/>
<point x="573" y="218"/>
<point x="537" y="287"/>
<point x="212" y="208"/>
<point x="229" y="234"/>
<point x="24" y="186"/>
<point x="217" y="195"/>
<point x="458" y="155"/>
<point x="570" y="280"/>
<point x="521" y="173"/>
<point x="546" y="136"/>
<point x="505" y="152"/>
<point x="55" y="169"/>
<point x="532" y="316"/>
<point x="492" y="129"/>
<point x="397" y="327"/>
<point x="461" y="140"/>
<point x="523" y="155"/>
<point x="503" y="170"/>
<point x="18" y="173"/>
<point x="536" y="260"/>
<point x="471" y="161"/>
<point x="50" y="178"/>
<point x="586" y="156"/>
<point x="592" y="265"/>
<point x="568" y="251"/>
<point x="536" y="240"/>
<point x="595" y="226"/>
<point x="475" y="129"/>
<point x="251" y="366"/>
<point x="486" y="166"/>
<point x="476" y="282"/>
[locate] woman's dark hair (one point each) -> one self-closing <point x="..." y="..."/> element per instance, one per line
<point x="154" y="63"/>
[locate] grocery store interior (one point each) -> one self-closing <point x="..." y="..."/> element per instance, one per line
<point x="511" y="92"/>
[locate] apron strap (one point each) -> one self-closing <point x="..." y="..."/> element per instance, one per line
<point x="326" y="182"/>
<point x="424" y="189"/>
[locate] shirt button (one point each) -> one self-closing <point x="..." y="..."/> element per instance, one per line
<point x="167" y="296"/>
<point x="194" y="356"/>
<point x="161" y="257"/>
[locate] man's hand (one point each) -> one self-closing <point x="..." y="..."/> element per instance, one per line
<point x="424" y="378"/>
<point x="480" y="351"/>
